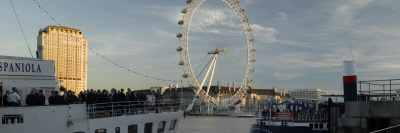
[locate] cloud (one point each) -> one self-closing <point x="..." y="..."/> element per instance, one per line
<point x="163" y="33"/>
<point x="121" y="42"/>
<point x="170" y="13"/>
<point x="282" y="15"/>
<point x="286" y="76"/>
<point x="268" y="35"/>
<point x="248" y="2"/>
<point x="344" y="13"/>
<point x="264" y="34"/>
<point x="220" y="20"/>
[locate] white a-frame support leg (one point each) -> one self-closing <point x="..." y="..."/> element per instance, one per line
<point x="213" y="62"/>
<point x="212" y="73"/>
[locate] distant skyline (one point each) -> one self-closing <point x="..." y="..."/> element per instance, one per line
<point x="299" y="44"/>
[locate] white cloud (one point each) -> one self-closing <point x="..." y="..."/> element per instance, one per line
<point x="169" y="13"/>
<point x="268" y="35"/>
<point x="264" y="34"/>
<point x="344" y="13"/>
<point x="121" y="42"/>
<point x="286" y="76"/>
<point x="248" y="2"/>
<point x="282" y="15"/>
<point x="163" y="33"/>
<point x="206" y="19"/>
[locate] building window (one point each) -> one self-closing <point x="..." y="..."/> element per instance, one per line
<point x="172" y="125"/>
<point x="132" y="129"/>
<point x="161" y="127"/>
<point x="148" y="127"/>
<point x="12" y="119"/>
<point x="101" y="131"/>
<point x="117" y="130"/>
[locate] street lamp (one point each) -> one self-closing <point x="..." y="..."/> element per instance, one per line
<point x="270" y="109"/>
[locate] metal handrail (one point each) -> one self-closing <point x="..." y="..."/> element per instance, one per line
<point x="385" y="129"/>
<point x="305" y="117"/>
<point x="113" y="109"/>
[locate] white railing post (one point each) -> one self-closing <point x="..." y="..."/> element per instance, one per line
<point x="112" y="109"/>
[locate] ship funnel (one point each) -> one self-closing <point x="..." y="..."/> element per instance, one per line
<point x="349" y="81"/>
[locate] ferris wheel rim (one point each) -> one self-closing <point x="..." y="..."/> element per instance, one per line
<point x="184" y="50"/>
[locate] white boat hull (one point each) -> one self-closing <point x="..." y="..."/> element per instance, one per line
<point x="73" y="119"/>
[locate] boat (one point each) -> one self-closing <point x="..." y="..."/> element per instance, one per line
<point x="301" y="124"/>
<point x="310" y="120"/>
<point x="77" y="118"/>
<point x="116" y="117"/>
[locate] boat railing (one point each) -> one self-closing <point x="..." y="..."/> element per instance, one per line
<point x="113" y="109"/>
<point x="318" y="117"/>
<point x="297" y="117"/>
<point x="388" y="129"/>
<point x="379" y="90"/>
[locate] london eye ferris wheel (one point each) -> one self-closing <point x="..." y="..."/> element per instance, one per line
<point x="216" y="49"/>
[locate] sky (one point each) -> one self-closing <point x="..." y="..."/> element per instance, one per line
<point x="299" y="44"/>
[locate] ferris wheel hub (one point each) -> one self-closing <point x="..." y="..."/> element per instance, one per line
<point x="217" y="51"/>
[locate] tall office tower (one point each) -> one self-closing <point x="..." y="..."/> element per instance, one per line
<point x="68" y="49"/>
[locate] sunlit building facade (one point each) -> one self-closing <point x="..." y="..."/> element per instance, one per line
<point x="308" y="93"/>
<point x="68" y="49"/>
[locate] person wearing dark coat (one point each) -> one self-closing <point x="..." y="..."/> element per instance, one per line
<point x="135" y="96"/>
<point x="31" y="98"/>
<point x="71" y="97"/>
<point x="142" y="97"/>
<point x="40" y="98"/>
<point x="91" y="97"/>
<point x="113" y="96"/>
<point x="121" y="95"/>
<point x="131" y="96"/>
<point x="59" y="99"/>
<point x="104" y="97"/>
<point x="5" y="101"/>
<point x="52" y="98"/>
<point x="98" y="97"/>
<point x="82" y="96"/>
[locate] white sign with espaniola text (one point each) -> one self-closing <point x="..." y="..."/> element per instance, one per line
<point x="22" y="67"/>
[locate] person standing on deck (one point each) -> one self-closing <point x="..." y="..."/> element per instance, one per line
<point x="14" y="99"/>
<point x="31" y="98"/>
<point x="41" y="99"/>
<point x="5" y="97"/>
<point x="52" y="98"/>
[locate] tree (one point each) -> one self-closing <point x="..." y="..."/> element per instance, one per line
<point x="62" y="88"/>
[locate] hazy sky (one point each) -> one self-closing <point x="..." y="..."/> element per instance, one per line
<point x="299" y="43"/>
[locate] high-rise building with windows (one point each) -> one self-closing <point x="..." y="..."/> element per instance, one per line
<point x="308" y="93"/>
<point x="68" y="49"/>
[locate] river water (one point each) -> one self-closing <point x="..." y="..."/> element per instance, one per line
<point x="203" y="124"/>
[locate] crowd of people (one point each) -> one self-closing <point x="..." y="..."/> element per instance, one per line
<point x="36" y="97"/>
<point x="12" y="98"/>
<point x="92" y="96"/>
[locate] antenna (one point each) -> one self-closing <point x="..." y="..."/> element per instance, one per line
<point x="352" y="53"/>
